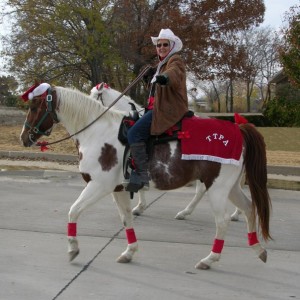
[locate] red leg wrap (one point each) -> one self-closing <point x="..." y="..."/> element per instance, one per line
<point x="130" y="234"/>
<point x="72" y="229"/>
<point x="252" y="238"/>
<point x="217" y="246"/>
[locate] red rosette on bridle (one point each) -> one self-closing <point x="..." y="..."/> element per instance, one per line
<point x="43" y="145"/>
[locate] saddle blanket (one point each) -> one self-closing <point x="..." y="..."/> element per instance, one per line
<point x="211" y="139"/>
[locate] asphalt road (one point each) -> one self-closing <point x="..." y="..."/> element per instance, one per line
<point x="34" y="262"/>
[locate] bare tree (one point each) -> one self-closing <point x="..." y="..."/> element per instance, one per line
<point x="261" y="59"/>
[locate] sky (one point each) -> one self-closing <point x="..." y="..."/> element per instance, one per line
<point x="275" y="10"/>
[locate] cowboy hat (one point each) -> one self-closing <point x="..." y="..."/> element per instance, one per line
<point x="167" y="34"/>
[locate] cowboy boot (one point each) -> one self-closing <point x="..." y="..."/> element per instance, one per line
<point x="138" y="177"/>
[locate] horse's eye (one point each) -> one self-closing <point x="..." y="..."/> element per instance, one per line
<point x="33" y="109"/>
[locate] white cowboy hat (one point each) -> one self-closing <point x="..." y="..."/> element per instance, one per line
<point x="167" y="34"/>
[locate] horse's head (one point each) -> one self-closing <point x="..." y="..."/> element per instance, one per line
<point x="97" y="91"/>
<point x="41" y="114"/>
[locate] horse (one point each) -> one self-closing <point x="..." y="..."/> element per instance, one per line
<point x="101" y="166"/>
<point x="104" y="93"/>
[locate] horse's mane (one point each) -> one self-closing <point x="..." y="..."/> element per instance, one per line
<point x="110" y="94"/>
<point x="76" y="105"/>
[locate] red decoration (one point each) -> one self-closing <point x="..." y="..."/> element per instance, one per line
<point x="238" y="119"/>
<point x="171" y="130"/>
<point x="252" y="238"/>
<point x="217" y="246"/>
<point x="150" y="103"/>
<point x="43" y="145"/>
<point x="72" y="229"/>
<point x="129" y="122"/>
<point x="183" y="135"/>
<point x="105" y="85"/>
<point x="130" y="234"/>
<point x="24" y="96"/>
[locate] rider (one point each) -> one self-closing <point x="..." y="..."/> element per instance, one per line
<point x="168" y="86"/>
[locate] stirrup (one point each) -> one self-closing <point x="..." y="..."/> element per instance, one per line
<point x="134" y="187"/>
<point x="135" y="183"/>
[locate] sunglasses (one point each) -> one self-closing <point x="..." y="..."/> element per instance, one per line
<point x="164" y="44"/>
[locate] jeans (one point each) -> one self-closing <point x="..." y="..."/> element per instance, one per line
<point x="140" y="131"/>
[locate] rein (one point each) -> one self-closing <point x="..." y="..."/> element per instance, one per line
<point x="137" y="79"/>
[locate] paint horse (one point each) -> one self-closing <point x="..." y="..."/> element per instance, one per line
<point x="101" y="165"/>
<point x="104" y="93"/>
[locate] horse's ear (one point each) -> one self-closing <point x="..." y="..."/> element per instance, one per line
<point x="97" y="90"/>
<point x="100" y="87"/>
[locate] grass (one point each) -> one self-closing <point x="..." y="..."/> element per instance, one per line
<point x="281" y="138"/>
<point x="283" y="144"/>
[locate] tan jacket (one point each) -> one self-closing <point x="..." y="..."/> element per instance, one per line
<point x="171" y="101"/>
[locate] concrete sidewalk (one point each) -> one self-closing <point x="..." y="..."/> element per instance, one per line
<point x="34" y="262"/>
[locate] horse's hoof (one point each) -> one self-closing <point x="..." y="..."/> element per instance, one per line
<point x="136" y="212"/>
<point x="202" y="266"/>
<point x="73" y="254"/>
<point x="180" y="216"/>
<point x="123" y="259"/>
<point x="263" y="256"/>
<point x="234" y="218"/>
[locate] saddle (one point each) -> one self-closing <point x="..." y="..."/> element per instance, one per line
<point x="128" y="121"/>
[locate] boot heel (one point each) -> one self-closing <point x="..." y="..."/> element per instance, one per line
<point x="135" y="183"/>
<point x="133" y="187"/>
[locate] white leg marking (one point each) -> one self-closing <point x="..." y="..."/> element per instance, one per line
<point x="122" y="200"/>
<point x="141" y="206"/>
<point x="200" y="191"/>
<point x="90" y="195"/>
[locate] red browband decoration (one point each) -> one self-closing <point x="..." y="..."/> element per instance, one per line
<point x="252" y="238"/>
<point x="72" y="229"/>
<point x="130" y="234"/>
<point x="217" y="246"/>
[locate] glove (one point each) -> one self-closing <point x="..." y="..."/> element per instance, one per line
<point x="162" y="79"/>
<point x="149" y="75"/>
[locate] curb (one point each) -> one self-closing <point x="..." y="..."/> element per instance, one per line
<point x="279" y="177"/>
<point x="38" y="156"/>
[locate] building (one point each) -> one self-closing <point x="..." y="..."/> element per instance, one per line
<point x="280" y="87"/>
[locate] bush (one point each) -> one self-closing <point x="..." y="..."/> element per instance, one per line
<point x="10" y="101"/>
<point x="283" y="113"/>
<point x="258" y="121"/>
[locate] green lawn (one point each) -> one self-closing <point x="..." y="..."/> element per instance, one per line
<point x="281" y="138"/>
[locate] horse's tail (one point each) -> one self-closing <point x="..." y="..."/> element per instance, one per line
<point x="256" y="174"/>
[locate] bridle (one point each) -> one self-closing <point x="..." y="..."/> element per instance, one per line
<point x="100" y="95"/>
<point x="50" y="111"/>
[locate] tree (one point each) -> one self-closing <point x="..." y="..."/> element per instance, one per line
<point x="58" y="40"/>
<point x="83" y="42"/>
<point x="260" y="61"/>
<point x="290" y="51"/>
<point x="8" y="87"/>
<point x="246" y="60"/>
